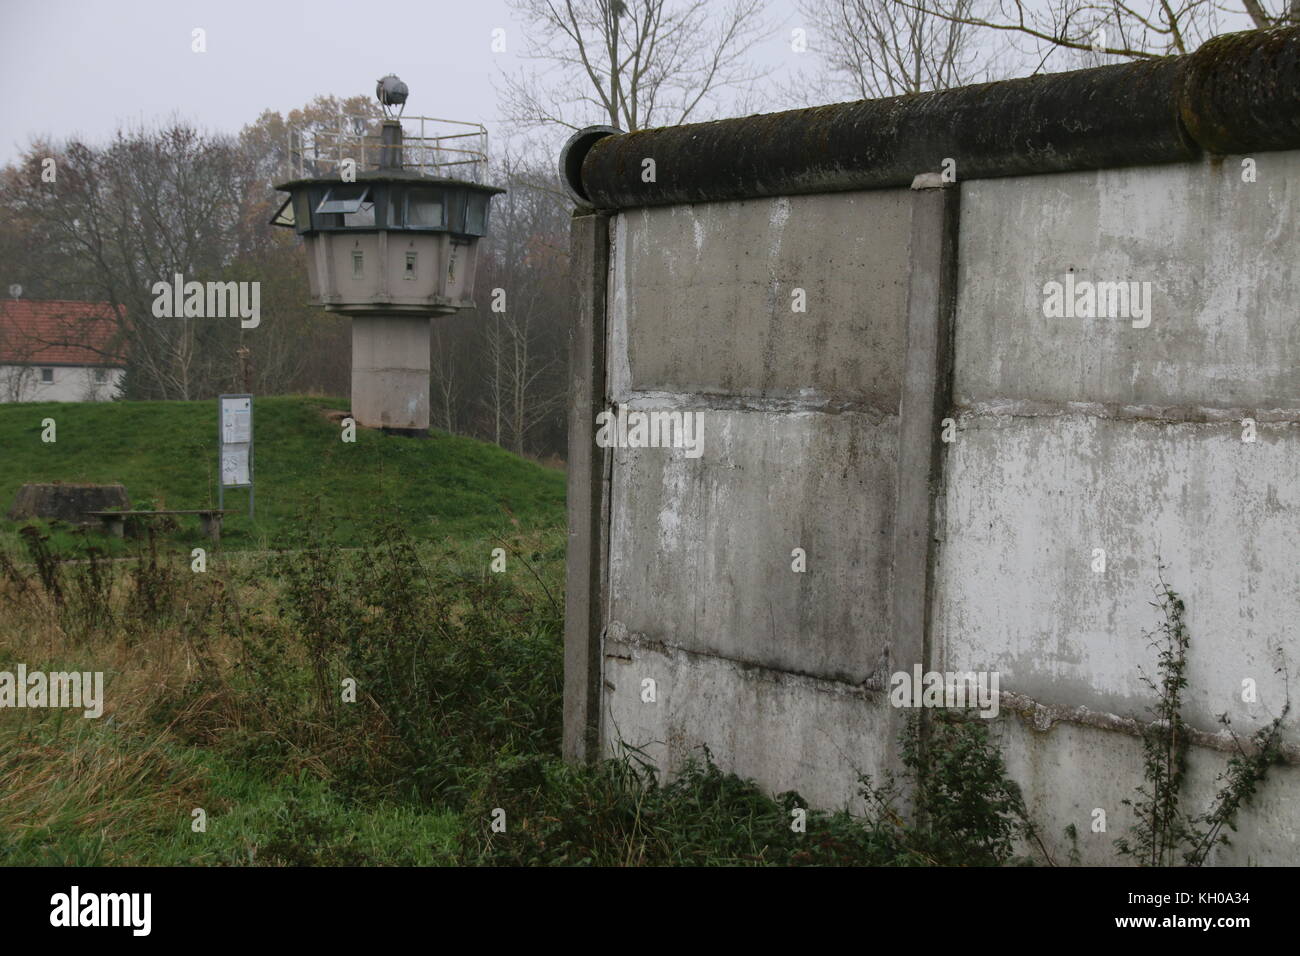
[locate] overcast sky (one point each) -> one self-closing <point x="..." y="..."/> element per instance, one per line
<point x="85" y="67"/>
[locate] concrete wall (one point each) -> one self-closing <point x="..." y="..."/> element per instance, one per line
<point x="798" y="429"/>
<point x="1071" y="434"/>
<point x="390" y="371"/>
<point x="1085" y="433"/>
<point x="72" y="383"/>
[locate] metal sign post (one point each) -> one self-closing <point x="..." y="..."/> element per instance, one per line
<point x="235" y="437"/>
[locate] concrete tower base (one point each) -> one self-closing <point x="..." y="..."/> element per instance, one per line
<point x="390" y="372"/>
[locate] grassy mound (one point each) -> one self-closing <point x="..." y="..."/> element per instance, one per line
<point x="166" y="455"/>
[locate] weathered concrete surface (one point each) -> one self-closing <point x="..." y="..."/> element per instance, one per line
<point x="412" y="273"/>
<point x="1038" y="480"/>
<point x="798" y="422"/>
<point x="1242" y="91"/>
<point x="586" y="554"/>
<point x="1030" y="498"/>
<point x="1083" y="433"/>
<point x="390" y="371"/>
<point x="701" y="549"/>
<point x="1071" y="771"/>
<point x="1120" y="114"/>
<point x="926" y="395"/>
<point x="790" y="732"/>
<point x="1220" y="255"/>
<point x="1071" y="434"/>
<point x="702" y="298"/>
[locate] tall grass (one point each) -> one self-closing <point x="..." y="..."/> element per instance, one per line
<point x="223" y="693"/>
<point x="378" y="705"/>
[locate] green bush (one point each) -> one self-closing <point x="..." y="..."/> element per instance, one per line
<point x="453" y="670"/>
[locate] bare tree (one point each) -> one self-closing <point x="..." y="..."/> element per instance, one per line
<point x="520" y="372"/>
<point x="154" y="202"/>
<point x="1116" y="29"/>
<point x="149" y="205"/>
<point x="267" y="139"/>
<point x="522" y="300"/>
<point x="18" y="349"/>
<point x="875" y="48"/>
<point x="631" y="63"/>
<point x="446" y="377"/>
<point x="627" y="63"/>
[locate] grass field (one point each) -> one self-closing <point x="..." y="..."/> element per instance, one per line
<point x="165" y="453"/>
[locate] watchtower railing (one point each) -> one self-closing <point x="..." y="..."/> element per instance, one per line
<point x="453" y="149"/>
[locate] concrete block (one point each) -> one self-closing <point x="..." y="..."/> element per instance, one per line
<point x="703" y="296"/>
<point x="700" y="549"/>
<point x="390" y="371"/>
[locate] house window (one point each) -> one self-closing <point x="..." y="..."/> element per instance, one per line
<point x="47" y="376"/>
<point x="410" y="266"/>
<point x="358" y="264"/>
<point x="101" y="376"/>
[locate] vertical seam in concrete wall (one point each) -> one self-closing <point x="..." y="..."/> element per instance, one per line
<point x="926" y="397"/>
<point x="619" y="371"/>
<point x="587" y="487"/>
<point x="614" y="364"/>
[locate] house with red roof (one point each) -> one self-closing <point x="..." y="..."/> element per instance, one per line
<point x="60" y="351"/>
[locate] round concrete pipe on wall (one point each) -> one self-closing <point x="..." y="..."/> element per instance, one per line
<point x="1110" y="116"/>
<point x="1242" y="92"/>
<point x="574" y="152"/>
<point x="1237" y="92"/>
